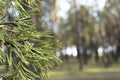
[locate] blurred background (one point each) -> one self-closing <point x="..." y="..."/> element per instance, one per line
<point x="89" y="31"/>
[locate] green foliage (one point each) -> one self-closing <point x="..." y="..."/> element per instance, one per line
<point x="25" y="53"/>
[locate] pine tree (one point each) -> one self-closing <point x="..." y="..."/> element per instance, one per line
<point x="25" y="52"/>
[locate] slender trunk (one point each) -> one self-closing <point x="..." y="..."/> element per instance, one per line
<point x="80" y="58"/>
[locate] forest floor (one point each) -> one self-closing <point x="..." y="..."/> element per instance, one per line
<point x="91" y="71"/>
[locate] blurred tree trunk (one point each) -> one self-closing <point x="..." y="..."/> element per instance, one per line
<point x="77" y="36"/>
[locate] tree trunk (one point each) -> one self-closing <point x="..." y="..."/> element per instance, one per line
<point x="80" y="58"/>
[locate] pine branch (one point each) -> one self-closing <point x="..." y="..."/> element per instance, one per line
<point x="23" y="19"/>
<point x="8" y="23"/>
